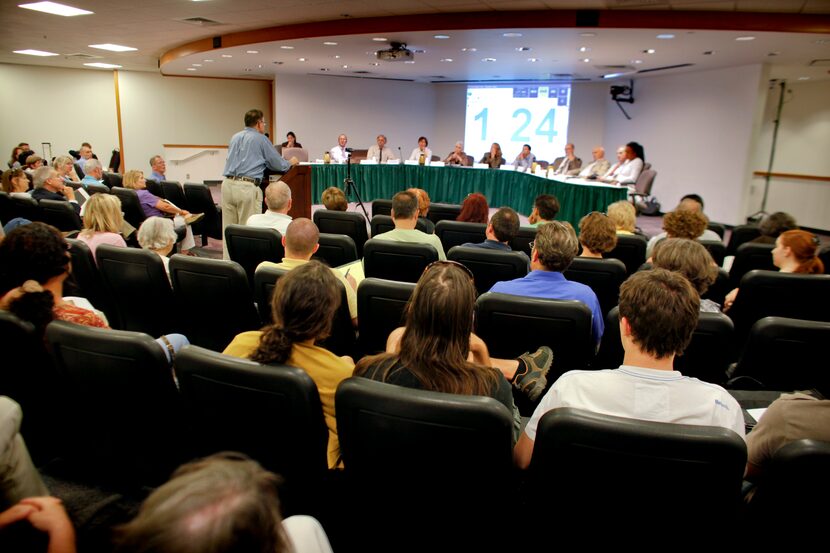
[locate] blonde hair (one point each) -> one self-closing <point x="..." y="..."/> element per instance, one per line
<point x="102" y="213"/>
<point x="131" y="178"/>
<point x="334" y="199"/>
<point x="60" y="161"/>
<point x="623" y="214"/>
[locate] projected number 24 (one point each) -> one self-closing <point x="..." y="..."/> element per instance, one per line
<point x="523" y="117"/>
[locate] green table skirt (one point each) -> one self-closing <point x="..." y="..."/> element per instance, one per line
<point x="452" y="184"/>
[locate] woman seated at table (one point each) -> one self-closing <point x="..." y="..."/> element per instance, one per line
<point x="474" y="209"/>
<point x="291" y="141"/>
<point x="457" y="156"/>
<point x="693" y="261"/>
<point x="65" y="166"/>
<point x="102" y="222"/>
<point x="421" y="150"/>
<point x="334" y="199"/>
<point x="597" y="234"/>
<point x="493" y="158"/>
<point x="157" y="235"/>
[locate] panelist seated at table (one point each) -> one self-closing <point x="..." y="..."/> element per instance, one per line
<point x="568" y="164"/>
<point x="338" y="153"/>
<point x="493" y="158"/>
<point x="379" y="152"/>
<point x="630" y="170"/>
<point x="458" y="156"/>
<point x="405" y="216"/>
<point x="615" y="168"/>
<point x="291" y="141"/>
<point x="525" y="159"/>
<point x="421" y="150"/>
<point x="596" y="168"/>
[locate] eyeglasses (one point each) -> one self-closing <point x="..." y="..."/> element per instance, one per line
<point x="451" y="263"/>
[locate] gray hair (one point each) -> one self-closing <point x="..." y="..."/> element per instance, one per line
<point x="153" y="159"/>
<point x="41" y="175"/>
<point x="60" y="161"/>
<point x="277" y="195"/>
<point x="459" y="143"/>
<point x="156" y="233"/>
<point x="91" y="165"/>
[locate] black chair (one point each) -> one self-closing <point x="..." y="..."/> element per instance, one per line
<point x="79" y="168"/>
<point x="343" y="222"/>
<point x="631" y="250"/>
<point x="628" y="466"/>
<point x="718" y="290"/>
<point x="174" y="193"/>
<point x="154" y="187"/>
<point x="642" y="188"/>
<point x="741" y="235"/>
<point x="381" y="206"/>
<point x="603" y="276"/>
<point x="125" y="420"/>
<point x="336" y="249"/>
<point x="133" y="212"/>
<point x="6" y="208"/>
<point x="443" y="212"/>
<point x="86" y="277"/>
<point x="381" y="305"/>
<point x="824" y="255"/>
<point x="521" y="242"/>
<point x="215" y="300"/>
<point x="61" y="215"/>
<point x="200" y="201"/>
<point x="716" y="249"/>
<point x="402" y="261"/>
<point x="456" y="233"/>
<point x="250" y="246"/>
<point x="116" y="179"/>
<point x="490" y="266"/>
<point x="750" y="257"/>
<point x="717" y="228"/>
<point x="271" y="413"/>
<point x="784" y="354"/>
<point x="25" y="207"/>
<point x="384" y="223"/>
<point x="408" y="452"/>
<point x="97" y="189"/>
<point x="138" y="283"/>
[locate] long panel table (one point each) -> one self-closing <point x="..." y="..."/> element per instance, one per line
<point x="452" y="184"/>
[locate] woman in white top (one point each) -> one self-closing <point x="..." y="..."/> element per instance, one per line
<point x="157" y="235"/>
<point x="421" y="150"/>
<point x="630" y="170"/>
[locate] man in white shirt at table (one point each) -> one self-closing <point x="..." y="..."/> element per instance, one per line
<point x="278" y="200"/>
<point x="338" y="153"/>
<point x="612" y="173"/>
<point x="596" y="168"/>
<point x="379" y="152"/>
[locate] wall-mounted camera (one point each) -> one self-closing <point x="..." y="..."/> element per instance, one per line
<point x="622" y="93"/>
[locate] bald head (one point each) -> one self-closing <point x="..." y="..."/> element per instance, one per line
<point x="301" y="238"/>
<point x="598" y="153"/>
<point x="278" y="197"/>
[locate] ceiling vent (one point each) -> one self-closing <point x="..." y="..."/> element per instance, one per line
<point x="81" y="56"/>
<point x="665" y="68"/>
<point x="820" y="63"/>
<point x="200" y="22"/>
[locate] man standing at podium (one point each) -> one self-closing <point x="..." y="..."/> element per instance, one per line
<point x="249" y="154"/>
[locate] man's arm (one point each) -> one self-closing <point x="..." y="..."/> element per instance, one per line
<point x="523" y="451"/>
<point x="273" y="160"/>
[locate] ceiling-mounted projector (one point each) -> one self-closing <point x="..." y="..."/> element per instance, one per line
<point x="397" y="52"/>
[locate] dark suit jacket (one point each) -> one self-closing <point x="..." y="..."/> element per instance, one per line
<point x="43" y="194"/>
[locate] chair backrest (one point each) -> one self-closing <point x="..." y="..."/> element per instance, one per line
<point x="786" y="354"/>
<point x="154" y="187"/>
<point x="717" y="228"/>
<point x="173" y="192"/>
<point x="631" y="250"/>
<point x="114" y="179"/>
<point x="300" y="153"/>
<point x="716" y="249"/>
<point x="384" y="223"/>
<point x="741" y="234"/>
<point x="79" y="168"/>
<point x="250" y="246"/>
<point x="402" y="261"/>
<point x="215" y="300"/>
<point x="824" y="255"/>
<point x="443" y="212"/>
<point x="336" y="249"/>
<point x="382" y="305"/>
<point x="25" y="207"/>
<point x="343" y="222"/>
<point x="125" y="415"/>
<point x="200" y="201"/>
<point x="749" y="257"/>
<point x="133" y="213"/>
<point x="629" y="466"/>
<point x="88" y="279"/>
<point x="141" y="292"/>
<point x="454" y="233"/>
<point x="603" y="276"/>
<point x="490" y="266"/>
<point x="97" y="189"/>
<point x="61" y="215"/>
<point x="718" y="290"/>
<point x="6" y="208"/>
<point x="381" y="206"/>
<point x="521" y="242"/>
<point x="645" y="181"/>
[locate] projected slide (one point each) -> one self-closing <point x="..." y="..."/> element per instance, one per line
<point x="513" y="115"/>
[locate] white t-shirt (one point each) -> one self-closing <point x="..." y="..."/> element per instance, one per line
<point x="416" y="155"/>
<point x="645" y="394"/>
<point x="270" y="219"/>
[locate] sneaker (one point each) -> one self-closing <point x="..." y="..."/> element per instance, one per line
<point x="534" y="379"/>
<point x="194" y="218"/>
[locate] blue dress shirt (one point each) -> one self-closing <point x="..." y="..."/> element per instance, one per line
<point x="250" y="152"/>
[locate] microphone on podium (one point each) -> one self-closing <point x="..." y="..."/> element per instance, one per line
<point x="400" y="154"/>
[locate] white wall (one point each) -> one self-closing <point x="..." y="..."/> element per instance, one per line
<point x="586" y="127"/>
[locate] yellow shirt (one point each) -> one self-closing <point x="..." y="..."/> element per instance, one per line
<point x="325" y="369"/>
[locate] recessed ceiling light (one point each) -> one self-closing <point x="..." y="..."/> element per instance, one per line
<point x="208" y="61"/>
<point x="55" y="9"/>
<point x="374" y="63"/>
<point x="511" y="35"/>
<point x="523" y="49"/>
<point x="287" y="47"/>
<point x="533" y="60"/>
<point x="666" y="36"/>
<point x="488" y="59"/>
<point x="649" y="51"/>
<point x="259" y="66"/>
<point x="336" y="57"/>
<point x="189" y="68"/>
<point x="804" y="78"/>
<point x="329" y="43"/>
<point x="744" y="38"/>
<point x="584" y="49"/>
<point x="252" y="51"/>
<point x="410" y="61"/>
<point x="586" y="60"/>
<point x="446" y="59"/>
<point x="587" y="34"/>
<point x="345" y="67"/>
<point x="637" y="61"/>
<point x="113" y="47"/>
<point x="441" y="37"/>
<point x="469" y="50"/>
<point x="109" y="65"/>
<point x="301" y="59"/>
<point x="227" y="56"/>
<point x="197" y="65"/>
<point x="380" y="39"/>
<point x="31" y="52"/>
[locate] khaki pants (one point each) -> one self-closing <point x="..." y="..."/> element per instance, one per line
<point x="240" y="200"/>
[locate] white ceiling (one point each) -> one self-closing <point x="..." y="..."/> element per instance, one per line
<point x="155" y="27"/>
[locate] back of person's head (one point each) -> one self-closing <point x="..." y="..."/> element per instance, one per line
<point x="221" y="504"/>
<point x="23" y="156"/>
<point x="8" y="185"/>
<point x="505" y="223"/>
<point x="689" y="258"/>
<point x="684" y="223"/>
<point x="556" y="245"/>
<point x="638" y="149"/>
<point x="334" y="199"/>
<point x="776" y="223"/>
<point x="688" y="198"/>
<point x="102" y="213"/>
<point x="301" y="237"/>
<point x="131" y="178"/>
<point x="91" y="165"/>
<point x="156" y="233"/>
<point x="597" y="232"/>
<point x="41" y="175"/>
<point x="624" y="215"/>
<point x="252" y="117"/>
<point x="804" y="246"/>
<point x="404" y="205"/>
<point x="277" y="195"/>
<point x="547" y="205"/>
<point x="423" y="200"/>
<point x="474" y="209"/>
<point x="662" y="310"/>
<point x="303" y="306"/>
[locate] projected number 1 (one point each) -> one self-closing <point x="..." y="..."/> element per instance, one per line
<point x="545" y="128"/>
<point x="483" y="116"/>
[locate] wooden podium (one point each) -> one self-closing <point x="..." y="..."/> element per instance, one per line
<point x="298" y="179"/>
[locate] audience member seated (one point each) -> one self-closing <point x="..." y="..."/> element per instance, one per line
<point x="693" y="261"/>
<point x="458" y="156"/>
<point x="681" y="223"/>
<point x="158" y="235"/>
<point x="493" y="158"/>
<point x="159" y="168"/>
<point x="65" y="166"/>
<point x="629" y="171"/>
<point x="49" y="186"/>
<point x="624" y="215"/>
<point x="658" y="314"/>
<point x="278" y="201"/>
<point x="15" y="183"/>
<point x="34" y="263"/>
<point x="334" y="199"/>
<point x="93" y="173"/>
<point x="596" y="168"/>
<point x="14" y="163"/>
<point x="597" y="234"/>
<point x="301" y="241"/>
<point x="474" y="209"/>
<point x="773" y="225"/>
<point x="552" y="252"/>
<point x="796" y="251"/>
<point x="545" y="209"/>
<point x="33" y="162"/>
<point x="502" y="228"/>
<point x="153" y="206"/>
<point x="102" y="222"/>
<point x="405" y="216"/>
<point x="303" y="306"/>
<point x="224" y="503"/>
<point x="46" y="515"/>
<point x="423" y="208"/>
